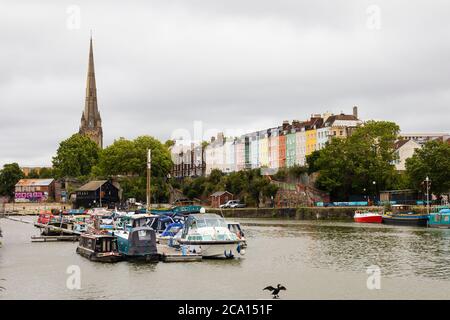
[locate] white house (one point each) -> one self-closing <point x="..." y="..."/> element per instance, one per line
<point x="404" y="149"/>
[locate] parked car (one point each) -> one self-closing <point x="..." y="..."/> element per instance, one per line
<point x="232" y="204"/>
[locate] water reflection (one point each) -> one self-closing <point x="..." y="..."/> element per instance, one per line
<point x="346" y="246"/>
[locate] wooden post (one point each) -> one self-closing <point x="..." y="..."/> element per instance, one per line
<point x="149" y="171"/>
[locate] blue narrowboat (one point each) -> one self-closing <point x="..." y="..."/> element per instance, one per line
<point x="404" y="215"/>
<point x="137" y="240"/>
<point x="440" y="219"/>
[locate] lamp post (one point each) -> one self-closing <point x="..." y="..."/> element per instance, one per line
<point x="149" y="168"/>
<point x="375" y="186"/>
<point x="427" y="181"/>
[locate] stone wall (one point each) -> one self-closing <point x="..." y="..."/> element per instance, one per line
<point x="34" y="208"/>
<point x="301" y="213"/>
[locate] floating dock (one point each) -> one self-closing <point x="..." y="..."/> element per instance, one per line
<point x="170" y="254"/>
<point x="56" y="229"/>
<point x="53" y="238"/>
<point x="19" y="220"/>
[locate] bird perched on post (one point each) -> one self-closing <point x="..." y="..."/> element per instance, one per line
<point x="275" y="291"/>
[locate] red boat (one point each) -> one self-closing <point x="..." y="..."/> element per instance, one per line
<point x="45" y="217"/>
<point x="368" y="217"/>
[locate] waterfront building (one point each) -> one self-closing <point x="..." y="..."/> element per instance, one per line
<point x="214" y="154"/>
<point x="247" y="155"/>
<point x="273" y="144"/>
<point x="276" y="147"/>
<point x="35" y="190"/>
<point x="310" y="141"/>
<point x="404" y="149"/>
<point x="323" y="135"/>
<point x="254" y="150"/>
<point x="240" y="153"/>
<point x="188" y="160"/>
<point x="263" y="151"/>
<point x="91" y="122"/>
<point x="300" y="147"/>
<point x="230" y="156"/>
<point x="97" y="194"/>
<point x="342" y="125"/>
<point x="291" y="148"/>
<point x="422" y="138"/>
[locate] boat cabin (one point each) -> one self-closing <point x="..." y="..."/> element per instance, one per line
<point x="402" y="209"/>
<point x="99" y="247"/>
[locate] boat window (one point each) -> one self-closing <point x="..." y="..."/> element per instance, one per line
<point x="106" y="245"/>
<point x="211" y="222"/>
<point x="144" y="235"/>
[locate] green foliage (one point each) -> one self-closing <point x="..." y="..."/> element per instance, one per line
<point x="294" y="172"/>
<point x="352" y="165"/>
<point x="46" y="173"/>
<point x="9" y="176"/>
<point x="433" y="160"/>
<point x="33" y="174"/>
<point x="128" y="159"/>
<point x="75" y="157"/>
<point x="246" y="185"/>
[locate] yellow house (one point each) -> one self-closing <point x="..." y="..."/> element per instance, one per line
<point x="311" y="140"/>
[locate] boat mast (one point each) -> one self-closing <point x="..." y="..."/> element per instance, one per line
<point x="149" y="169"/>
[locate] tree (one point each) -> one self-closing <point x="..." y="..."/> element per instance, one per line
<point x="33" y="174"/>
<point x="361" y="163"/>
<point x="128" y="159"/>
<point x="46" y="173"/>
<point x="9" y="176"/>
<point x="433" y="160"/>
<point x="75" y="157"/>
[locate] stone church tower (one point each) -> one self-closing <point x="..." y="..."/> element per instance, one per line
<point x="91" y="122"/>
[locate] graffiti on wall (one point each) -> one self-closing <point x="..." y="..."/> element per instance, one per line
<point x="31" y="196"/>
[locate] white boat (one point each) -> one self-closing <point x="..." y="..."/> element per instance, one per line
<point x="208" y="235"/>
<point x="235" y="227"/>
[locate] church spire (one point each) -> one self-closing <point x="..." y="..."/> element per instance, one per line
<point x="91" y="122"/>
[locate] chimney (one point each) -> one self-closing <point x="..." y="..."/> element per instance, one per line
<point x="285" y="125"/>
<point x="220" y="137"/>
<point x="355" y="111"/>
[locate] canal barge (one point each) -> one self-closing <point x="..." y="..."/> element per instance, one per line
<point x="99" y="247"/>
<point x="440" y="219"/>
<point x="403" y="215"/>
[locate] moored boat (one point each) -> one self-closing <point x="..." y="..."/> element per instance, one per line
<point x="440" y="219"/>
<point x="208" y="235"/>
<point x="137" y="240"/>
<point x="99" y="247"/>
<point x="404" y="215"/>
<point x="368" y="216"/>
<point x="235" y="227"/>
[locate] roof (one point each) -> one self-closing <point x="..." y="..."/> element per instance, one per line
<point x="92" y="185"/>
<point x="219" y="193"/>
<point x="333" y="118"/>
<point x="400" y="143"/>
<point x="34" y="182"/>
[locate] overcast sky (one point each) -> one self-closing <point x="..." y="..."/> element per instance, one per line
<point x="235" y="65"/>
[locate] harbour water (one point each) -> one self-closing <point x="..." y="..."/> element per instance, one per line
<point x="312" y="259"/>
